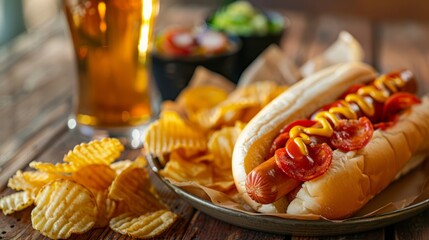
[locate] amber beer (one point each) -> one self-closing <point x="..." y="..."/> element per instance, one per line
<point x="112" y="40"/>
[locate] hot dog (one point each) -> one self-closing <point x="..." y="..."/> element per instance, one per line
<point x="313" y="157"/>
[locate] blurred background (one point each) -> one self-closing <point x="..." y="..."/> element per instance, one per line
<point x="23" y="16"/>
<point x="20" y="16"/>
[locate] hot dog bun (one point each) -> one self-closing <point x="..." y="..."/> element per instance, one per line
<point x="355" y="176"/>
<point x="299" y="101"/>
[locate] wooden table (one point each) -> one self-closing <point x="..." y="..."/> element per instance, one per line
<point x="37" y="75"/>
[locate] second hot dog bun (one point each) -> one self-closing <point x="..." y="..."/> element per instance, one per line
<point x="299" y="101"/>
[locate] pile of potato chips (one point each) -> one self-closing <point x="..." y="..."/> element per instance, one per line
<point x="90" y="190"/>
<point x="195" y="135"/>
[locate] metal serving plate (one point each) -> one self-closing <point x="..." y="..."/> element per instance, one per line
<point x="291" y="226"/>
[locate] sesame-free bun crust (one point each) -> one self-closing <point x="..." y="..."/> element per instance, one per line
<point x="298" y="102"/>
<point x="353" y="177"/>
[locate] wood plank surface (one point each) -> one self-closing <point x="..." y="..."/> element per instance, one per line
<point x="328" y="28"/>
<point x="414" y="228"/>
<point x="34" y="92"/>
<point x="405" y="45"/>
<point x="378" y="10"/>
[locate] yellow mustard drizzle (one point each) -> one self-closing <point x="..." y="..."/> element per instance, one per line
<point x="345" y="109"/>
<point x="382" y="88"/>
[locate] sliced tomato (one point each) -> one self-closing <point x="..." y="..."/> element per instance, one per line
<point x="178" y="41"/>
<point x="396" y="103"/>
<point x="304" y="167"/>
<point x="350" y="135"/>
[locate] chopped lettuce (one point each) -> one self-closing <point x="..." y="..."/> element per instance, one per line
<point x="241" y="18"/>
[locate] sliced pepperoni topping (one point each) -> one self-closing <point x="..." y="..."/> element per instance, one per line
<point x="304" y="167"/>
<point x="350" y="135"/>
<point x="396" y="103"/>
<point x="281" y="139"/>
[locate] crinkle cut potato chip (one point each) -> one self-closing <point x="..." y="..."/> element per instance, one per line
<point x="140" y="162"/>
<point x="261" y="92"/>
<point x="106" y="208"/>
<point x="194" y="99"/>
<point x="217" y="120"/>
<point x="120" y="208"/>
<point x="134" y="188"/>
<point x="215" y="173"/>
<point x="86" y="191"/>
<point x="64" y="207"/>
<point x="171" y="132"/>
<point x="221" y="144"/>
<point x="59" y="168"/>
<point x="95" y="176"/>
<point x="185" y="170"/>
<point x="30" y="181"/>
<point x="241" y="105"/>
<point x="16" y="202"/>
<point x="120" y="166"/>
<point x="218" y="116"/>
<point x="145" y="226"/>
<point x="103" y="151"/>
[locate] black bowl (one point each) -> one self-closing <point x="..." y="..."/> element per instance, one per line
<point x="254" y="45"/>
<point x="172" y="74"/>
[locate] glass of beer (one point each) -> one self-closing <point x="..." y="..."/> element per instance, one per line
<point x="112" y="40"/>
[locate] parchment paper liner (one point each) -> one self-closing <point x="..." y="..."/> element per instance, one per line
<point x="345" y="49"/>
<point x="274" y="65"/>
<point x="271" y="64"/>
<point x="408" y="190"/>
